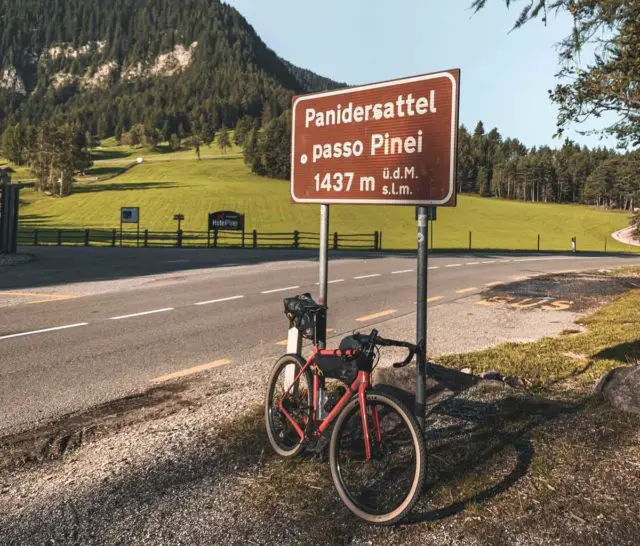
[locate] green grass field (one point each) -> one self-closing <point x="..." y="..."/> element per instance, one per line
<point x="169" y="183"/>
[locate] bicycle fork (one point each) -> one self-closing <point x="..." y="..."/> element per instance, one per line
<point x="362" y="400"/>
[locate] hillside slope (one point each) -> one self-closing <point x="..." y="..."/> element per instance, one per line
<point x="167" y="64"/>
<point x="172" y="183"/>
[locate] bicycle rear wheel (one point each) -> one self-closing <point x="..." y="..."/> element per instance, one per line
<point x="383" y="489"/>
<point x="283" y="436"/>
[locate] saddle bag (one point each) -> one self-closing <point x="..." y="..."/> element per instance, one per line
<point x="302" y="312"/>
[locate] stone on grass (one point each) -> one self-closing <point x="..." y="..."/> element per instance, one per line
<point x="492" y="375"/>
<point x="621" y="388"/>
<point x="513" y="381"/>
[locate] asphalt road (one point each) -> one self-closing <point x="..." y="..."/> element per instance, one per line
<point x="78" y="331"/>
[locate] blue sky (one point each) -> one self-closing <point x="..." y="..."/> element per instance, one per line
<point x="505" y="76"/>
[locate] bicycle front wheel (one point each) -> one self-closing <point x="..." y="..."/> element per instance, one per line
<point x="384" y="488"/>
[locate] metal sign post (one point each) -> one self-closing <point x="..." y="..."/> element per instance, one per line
<point x="421" y="327"/>
<point x="324" y="273"/>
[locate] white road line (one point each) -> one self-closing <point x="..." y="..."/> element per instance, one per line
<point x="402" y="271"/>
<point x="335" y="281"/>
<point x="367" y="276"/>
<point x="454" y="265"/>
<point x="280" y="290"/>
<point x="472" y="263"/>
<point x="46" y="330"/>
<point x="489" y="262"/>
<point x="133" y="315"/>
<point x="434" y="267"/>
<point x="219" y="300"/>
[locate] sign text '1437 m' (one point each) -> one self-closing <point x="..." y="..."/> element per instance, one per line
<point x="343" y="182"/>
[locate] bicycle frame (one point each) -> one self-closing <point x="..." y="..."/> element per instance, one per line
<point x="359" y="387"/>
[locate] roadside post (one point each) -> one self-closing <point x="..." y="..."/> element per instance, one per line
<point x="130" y="215"/>
<point x="389" y="143"/>
<point x="179" y="218"/>
<point x="9" y="211"/>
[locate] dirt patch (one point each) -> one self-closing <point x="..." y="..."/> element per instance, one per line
<point x="578" y="292"/>
<point x="53" y="440"/>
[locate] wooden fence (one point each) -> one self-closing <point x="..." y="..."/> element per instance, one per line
<point x="195" y="239"/>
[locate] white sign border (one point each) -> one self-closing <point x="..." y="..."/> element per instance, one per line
<point x="454" y="129"/>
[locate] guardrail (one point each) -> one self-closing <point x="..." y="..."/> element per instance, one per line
<point x="195" y="239"/>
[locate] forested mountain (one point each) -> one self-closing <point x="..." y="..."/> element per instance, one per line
<point x="107" y="66"/>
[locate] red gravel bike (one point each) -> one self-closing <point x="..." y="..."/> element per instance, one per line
<point x="376" y="448"/>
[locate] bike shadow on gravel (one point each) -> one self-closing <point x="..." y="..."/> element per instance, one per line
<point x="478" y="438"/>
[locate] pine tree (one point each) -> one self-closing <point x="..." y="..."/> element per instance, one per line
<point x="252" y="152"/>
<point x="483" y="181"/>
<point x="277" y="148"/>
<point x="60" y="151"/>
<point x="242" y="130"/>
<point x="224" y="142"/>
<point x="174" y="142"/>
<point x="195" y="142"/>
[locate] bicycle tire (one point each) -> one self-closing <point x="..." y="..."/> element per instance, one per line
<point x="356" y="507"/>
<point x="282" y="448"/>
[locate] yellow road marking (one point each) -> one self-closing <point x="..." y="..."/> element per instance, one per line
<point x="35" y="294"/>
<point x="65" y="298"/>
<point x="494" y="283"/>
<point x="377" y="315"/>
<point x="434" y="298"/>
<point x="40" y="295"/>
<point x="190" y="371"/>
<point x="465" y="290"/>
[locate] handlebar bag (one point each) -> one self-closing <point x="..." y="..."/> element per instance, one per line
<point x="302" y="312"/>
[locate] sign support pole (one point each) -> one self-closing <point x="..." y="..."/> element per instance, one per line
<point x="324" y="273"/>
<point x="421" y="330"/>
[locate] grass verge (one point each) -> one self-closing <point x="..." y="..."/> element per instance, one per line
<point x="548" y="466"/>
<point x="612" y="339"/>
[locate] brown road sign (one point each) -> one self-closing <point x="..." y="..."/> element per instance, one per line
<point x="391" y="143"/>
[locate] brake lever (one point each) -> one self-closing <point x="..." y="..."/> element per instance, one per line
<point x="406" y="361"/>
